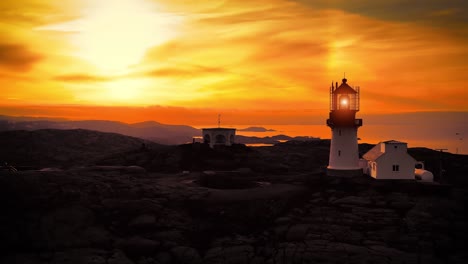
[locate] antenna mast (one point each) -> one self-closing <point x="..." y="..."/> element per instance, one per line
<point x="219" y="120"/>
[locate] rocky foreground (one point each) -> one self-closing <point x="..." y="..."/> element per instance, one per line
<point x="124" y="215"/>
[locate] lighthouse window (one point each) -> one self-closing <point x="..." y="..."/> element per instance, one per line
<point x="396" y="167"/>
<point x="339" y="152"/>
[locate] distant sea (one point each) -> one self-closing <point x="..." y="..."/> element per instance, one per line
<point x="454" y="138"/>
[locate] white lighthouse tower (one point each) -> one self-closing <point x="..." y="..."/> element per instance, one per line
<point x="344" y="155"/>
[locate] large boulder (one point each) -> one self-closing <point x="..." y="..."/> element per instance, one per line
<point x="118" y="257"/>
<point x="136" y="246"/>
<point x="133" y="207"/>
<point x="186" y="255"/>
<point x="143" y="221"/>
<point x="63" y="228"/>
<point x="134" y="170"/>
<point x="226" y="180"/>
<point x="353" y="200"/>
<point x="233" y="255"/>
<point x="297" y="232"/>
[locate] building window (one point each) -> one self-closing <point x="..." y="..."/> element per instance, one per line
<point x="339" y="131"/>
<point x="373" y="166"/>
<point x="396" y="167"/>
<point x="339" y="153"/>
<point x="395" y="147"/>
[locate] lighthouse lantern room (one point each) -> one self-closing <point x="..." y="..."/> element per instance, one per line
<point x="344" y="154"/>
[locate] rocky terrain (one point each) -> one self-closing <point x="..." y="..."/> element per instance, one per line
<point x="126" y="215"/>
<point x="125" y="201"/>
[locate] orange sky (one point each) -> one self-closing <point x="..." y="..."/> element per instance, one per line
<point x="256" y="62"/>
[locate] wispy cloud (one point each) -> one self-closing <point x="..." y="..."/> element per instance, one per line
<point x="37" y="12"/>
<point x="400" y="10"/>
<point x="82" y="78"/>
<point x="17" y="57"/>
<point x="184" y="71"/>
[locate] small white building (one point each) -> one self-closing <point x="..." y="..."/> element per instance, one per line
<point x="218" y="136"/>
<point x="390" y="160"/>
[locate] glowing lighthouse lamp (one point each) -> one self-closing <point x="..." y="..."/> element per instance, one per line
<point x="344" y="155"/>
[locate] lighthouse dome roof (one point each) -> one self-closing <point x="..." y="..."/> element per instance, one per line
<point x="344" y="88"/>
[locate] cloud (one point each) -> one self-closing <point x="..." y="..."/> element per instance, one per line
<point x="287" y="54"/>
<point x="278" y="50"/>
<point x="167" y="114"/>
<point x="17" y="57"/>
<point x="254" y="14"/>
<point x="185" y="71"/>
<point x="371" y="99"/>
<point x="400" y="10"/>
<point x="82" y="78"/>
<point x="447" y="16"/>
<point x="37" y="12"/>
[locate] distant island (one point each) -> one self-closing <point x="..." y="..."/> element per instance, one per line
<point x="256" y="129"/>
<point x="272" y="140"/>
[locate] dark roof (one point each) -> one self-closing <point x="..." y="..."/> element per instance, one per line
<point x="218" y="128"/>
<point x="393" y="142"/>
<point x="374" y="153"/>
<point x="344" y="88"/>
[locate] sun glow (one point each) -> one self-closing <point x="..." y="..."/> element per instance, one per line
<point x="115" y="34"/>
<point x="125" y="91"/>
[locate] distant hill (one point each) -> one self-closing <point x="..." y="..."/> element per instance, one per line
<point x="256" y="129"/>
<point x="30" y="118"/>
<point x="271" y="140"/>
<point x="149" y="130"/>
<point x="64" y="148"/>
<point x="157" y="132"/>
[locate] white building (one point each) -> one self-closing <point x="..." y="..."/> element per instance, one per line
<point x="390" y="160"/>
<point x="344" y="155"/>
<point x="218" y="136"/>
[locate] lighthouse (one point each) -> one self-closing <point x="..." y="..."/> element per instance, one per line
<point x="344" y="156"/>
